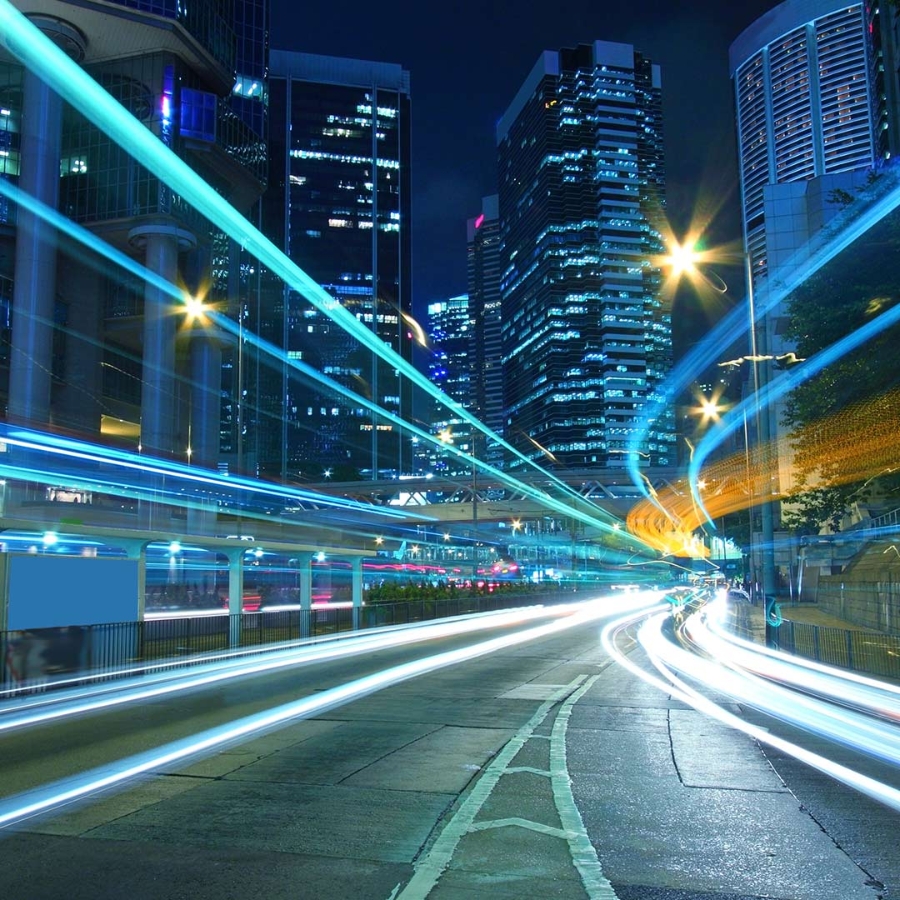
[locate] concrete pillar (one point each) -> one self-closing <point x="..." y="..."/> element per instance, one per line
<point x="356" y="591"/>
<point x="138" y="550"/>
<point x="34" y="293"/>
<point x="78" y="402"/>
<point x="205" y="415"/>
<point x="305" y="595"/>
<point x="161" y="243"/>
<point x="235" y="594"/>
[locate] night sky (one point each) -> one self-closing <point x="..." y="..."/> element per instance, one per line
<point x="466" y="62"/>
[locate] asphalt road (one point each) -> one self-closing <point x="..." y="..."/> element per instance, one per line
<point x="542" y="770"/>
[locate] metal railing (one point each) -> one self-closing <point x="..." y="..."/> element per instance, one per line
<point x="863" y="651"/>
<point x="41" y="659"/>
<point x="869" y="652"/>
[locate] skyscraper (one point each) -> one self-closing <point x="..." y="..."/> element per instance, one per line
<point x="806" y="109"/>
<point x="486" y="355"/>
<point x="451" y="339"/>
<point x="586" y="335"/>
<point x="338" y="204"/>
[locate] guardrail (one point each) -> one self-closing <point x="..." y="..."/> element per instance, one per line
<point x="40" y="659"/>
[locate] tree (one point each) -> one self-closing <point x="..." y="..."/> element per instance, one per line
<point x="858" y="285"/>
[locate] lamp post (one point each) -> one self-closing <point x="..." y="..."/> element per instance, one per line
<point x="758" y="353"/>
<point x="683" y="260"/>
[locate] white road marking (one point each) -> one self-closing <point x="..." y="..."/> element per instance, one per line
<point x="433" y="865"/>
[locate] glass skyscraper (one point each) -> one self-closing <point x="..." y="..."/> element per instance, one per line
<point x="586" y="334"/>
<point x="451" y="340"/>
<point x="339" y="205"/>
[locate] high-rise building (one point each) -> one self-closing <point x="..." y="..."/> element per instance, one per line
<point x="85" y="347"/>
<point x="815" y="87"/>
<point x="450" y="332"/>
<point x="586" y="333"/>
<point x="808" y="113"/>
<point x="339" y="205"/>
<point x="486" y="355"/>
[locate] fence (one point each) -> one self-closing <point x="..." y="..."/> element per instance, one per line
<point x="38" y="659"/>
<point x="869" y="604"/>
<point x="864" y="651"/>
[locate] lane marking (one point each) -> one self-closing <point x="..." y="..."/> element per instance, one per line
<point x="584" y="856"/>
<point x="512" y="770"/>
<point x="516" y="822"/>
<point x="434" y="863"/>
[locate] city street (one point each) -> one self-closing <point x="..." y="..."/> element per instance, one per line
<point x="494" y="777"/>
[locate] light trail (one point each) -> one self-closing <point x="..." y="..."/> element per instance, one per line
<point x="839" y="686"/>
<point x="25" y="41"/>
<point x="66" y="791"/>
<point x="227" y="667"/>
<point x="874" y="737"/>
<point x="840" y="234"/>
<point x="660" y="650"/>
<point x="70" y="449"/>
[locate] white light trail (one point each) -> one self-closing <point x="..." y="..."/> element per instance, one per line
<point x="49" y="797"/>
<point x="653" y="641"/>
<point x="106" y="696"/>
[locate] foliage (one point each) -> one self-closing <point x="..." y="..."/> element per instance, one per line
<point x="855" y="287"/>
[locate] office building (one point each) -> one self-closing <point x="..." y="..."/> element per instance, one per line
<point x="808" y="115"/>
<point x="586" y="335"/>
<point x="450" y="341"/>
<point x="483" y="277"/>
<point x="87" y="348"/>
<point x="816" y="103"/>
<point x="339" y="206"/>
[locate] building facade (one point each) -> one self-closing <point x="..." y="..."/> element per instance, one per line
<point x="586" y="334"/>
<point x="339" y="206"/>
<point x="807" y="108"/>
<point x="486" y="353"/>
<point x="86" y="348"/>
<point x="450" y="367"/>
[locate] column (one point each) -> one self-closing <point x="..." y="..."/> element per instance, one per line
<point x="78" y="403"/>
<point x="34" y="294"/>
<point x="356" y="591"/>
<point x="205" y="414"/>
<point x="161" y="243"/>
<point x="235" y="594"/>
<point x="305" y="595"/>
<point x="137" y="549"/>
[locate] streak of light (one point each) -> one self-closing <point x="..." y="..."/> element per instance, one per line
<point x="836" y="685"/>
<point x="222" y="321"/>
<point x="228" y="666"/>
<point x="735" y="324"/>
<point x="26" y="42"/>
<point x="66" y="791"/>
<point x="653" y="642"/>
<point x="132" y="462"/>
<point x="858" y="444"/>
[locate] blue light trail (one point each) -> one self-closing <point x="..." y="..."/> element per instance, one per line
<point x="25" y="41"/>
<point x="37" y="52"/>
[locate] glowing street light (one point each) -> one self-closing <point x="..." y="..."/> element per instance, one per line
<point x="682" y="258"/>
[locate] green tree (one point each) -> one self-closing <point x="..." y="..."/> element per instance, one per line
<point x="859" y="284"/>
